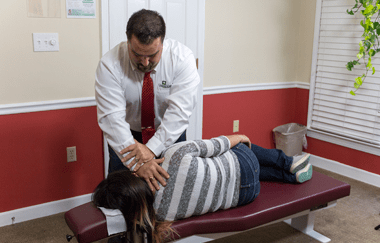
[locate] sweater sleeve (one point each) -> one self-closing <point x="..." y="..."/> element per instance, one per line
<point x="200" y="148"/>
<point x="213" y="147"/>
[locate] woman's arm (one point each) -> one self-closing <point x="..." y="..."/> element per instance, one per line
<point x="237" y="138"/>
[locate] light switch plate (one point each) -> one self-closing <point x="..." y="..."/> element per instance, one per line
<point x="45" y="42"/>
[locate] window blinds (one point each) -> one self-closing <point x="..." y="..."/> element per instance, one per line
<point x="334" y="109"/>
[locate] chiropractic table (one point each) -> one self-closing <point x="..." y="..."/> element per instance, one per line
<point x="295" y="204"/>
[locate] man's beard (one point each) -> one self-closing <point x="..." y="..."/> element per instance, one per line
<point x="146" y="69"/>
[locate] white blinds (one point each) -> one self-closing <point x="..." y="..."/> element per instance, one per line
<point x="334" y="110"/>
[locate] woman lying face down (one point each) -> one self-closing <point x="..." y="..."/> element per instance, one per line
<point x="205" y="176"/>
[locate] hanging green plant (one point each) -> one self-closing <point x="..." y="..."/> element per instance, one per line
<point x="369" y="45"/>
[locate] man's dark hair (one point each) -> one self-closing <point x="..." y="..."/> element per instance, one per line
<point x="146" y="25"/>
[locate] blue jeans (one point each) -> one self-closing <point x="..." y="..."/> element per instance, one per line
<point x="249" y="174"/>
<point x="260" y="164"/>
<point x="114" y="160"/>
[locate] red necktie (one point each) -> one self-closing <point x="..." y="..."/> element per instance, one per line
<point x="147" y="109"/>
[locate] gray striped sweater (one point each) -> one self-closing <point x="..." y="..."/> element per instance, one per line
<point x="204" y="177"/>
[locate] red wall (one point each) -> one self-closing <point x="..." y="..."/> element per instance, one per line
<point x="347" y="156"/>
<point x="33" y="156"/>
<point x="33" y="145"/>
<point x="258" y="113"/>
<point x="261" y="111"/>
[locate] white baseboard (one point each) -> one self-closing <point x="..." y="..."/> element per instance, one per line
<point x="346" y="170"/>
<point x="41" y="210"/>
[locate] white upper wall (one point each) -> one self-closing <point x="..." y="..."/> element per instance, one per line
<point x="28" y="76"/>
<point x="246" y="41"/>
<point x="258" y="41"/>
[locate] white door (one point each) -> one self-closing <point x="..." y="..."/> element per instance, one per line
<point x="184" y="22"/>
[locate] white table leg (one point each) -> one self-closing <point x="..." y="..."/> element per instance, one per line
<point x="305" y="224"/>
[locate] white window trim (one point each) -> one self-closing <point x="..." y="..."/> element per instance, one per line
<point x="325" y="136"/>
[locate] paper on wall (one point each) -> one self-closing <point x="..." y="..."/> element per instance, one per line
<point x="81" y="9"/>
<point x="43" y="8"/>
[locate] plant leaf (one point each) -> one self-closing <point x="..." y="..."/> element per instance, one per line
<point x="359" y="81"/>
<point x="349" y="66"/>
<point x="369" y="64"/>
<point x="368" y="9"/>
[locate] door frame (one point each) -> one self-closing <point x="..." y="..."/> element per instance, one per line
<point x="105" y="47"/>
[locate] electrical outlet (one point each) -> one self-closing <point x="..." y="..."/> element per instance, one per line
<point x="236" y="126"/>
<point x="71" y="154"/>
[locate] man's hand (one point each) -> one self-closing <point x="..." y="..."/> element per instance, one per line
<point x="141" y="153"/>
<point x="153" y="173"/>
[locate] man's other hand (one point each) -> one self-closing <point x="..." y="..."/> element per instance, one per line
<point x="140" y="152"/>
<point x="153" y="173"/>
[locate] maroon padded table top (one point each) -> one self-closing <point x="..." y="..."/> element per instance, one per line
<point x="275" y="201"/>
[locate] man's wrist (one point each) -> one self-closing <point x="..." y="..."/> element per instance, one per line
<point x="155" y="146"/>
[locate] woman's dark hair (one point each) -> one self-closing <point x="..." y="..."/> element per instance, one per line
<point x="146" y="25"/>
<point x="130" y="194"/>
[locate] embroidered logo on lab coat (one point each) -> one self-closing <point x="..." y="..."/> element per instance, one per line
<point x="164" y="85"/>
